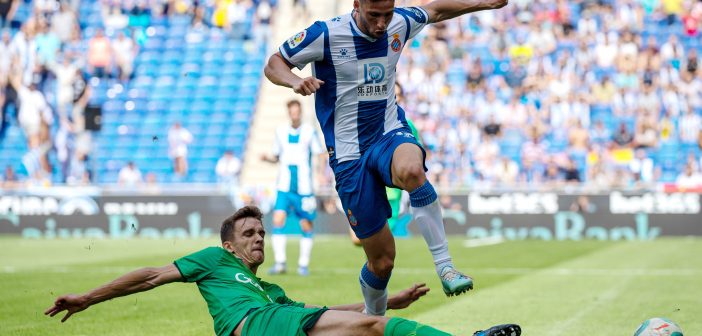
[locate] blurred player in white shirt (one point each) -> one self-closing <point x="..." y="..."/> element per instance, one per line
<point x="294" y="148"/>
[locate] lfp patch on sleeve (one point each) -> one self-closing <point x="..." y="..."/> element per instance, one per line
<point x="297" y="39"/>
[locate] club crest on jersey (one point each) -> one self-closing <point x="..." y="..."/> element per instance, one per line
<point x="396" y="44"/>
<point x="297" y="39"/>
<point x="352" y="218"/>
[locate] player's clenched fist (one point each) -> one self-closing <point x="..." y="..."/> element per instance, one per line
<point x="307" y="86"/>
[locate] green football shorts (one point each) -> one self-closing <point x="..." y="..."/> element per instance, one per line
<point x="281" y="320"/>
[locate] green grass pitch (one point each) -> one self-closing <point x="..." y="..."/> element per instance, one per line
<point x="550" y="288"/>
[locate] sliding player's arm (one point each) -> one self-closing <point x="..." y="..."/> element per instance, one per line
<point x="440" y="10"/>
<point x="401" y="300"/>
<point x="301" y="49"/>
<point x="136" y="281"/>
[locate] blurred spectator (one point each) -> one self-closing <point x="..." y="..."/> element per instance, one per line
<point x="129" y="175"/>
<point x="623" y="137"/>
<point x="600" y="134"/>
<point x="139" y="14"/>
<point x="47" y="44"/>
<point x="178" y="140"/>
<point x="23" y="47"/>
<point x="33" y="110"/>
<point x="672" y="9"/>
<point x="114" y="18"/>
<point x="99" y="55"/>
<point x="507" y="171"/>
<point x="125" y="51"/>
<point x="642" y="168"/>
<point x="571" y="173"/>
<point x="78" y="171"/>
<point x="65" y="73"/>
<point x="689" y="178"/>
<point x="8" y="8"/>
<point x="692" y="61"/>
<point x="690" y="126"/>
<point x="9" y="178"/>
<point x="646" y="135"/>
<point x="151" y="185"/>
<point x="64" y="22"/>
<point x="672" y="51"/>
<point x="228" y="168"/>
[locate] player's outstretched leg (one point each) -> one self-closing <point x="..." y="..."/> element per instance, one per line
<point x="408" y="173"/>
<point x="342" y="323"/>
<point x="427" y="214"/>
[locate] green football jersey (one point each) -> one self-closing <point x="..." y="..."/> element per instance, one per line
<point x="229" y="287"/>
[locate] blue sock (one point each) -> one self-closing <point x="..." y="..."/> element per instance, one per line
<point x="375" y="293"/>
<point x="423" y="195"/>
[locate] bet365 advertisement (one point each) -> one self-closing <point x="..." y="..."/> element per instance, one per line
<point x="509" y="216"/>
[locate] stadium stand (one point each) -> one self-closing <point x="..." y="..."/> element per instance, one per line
<point x="185" y="70"/>
<point x="543" y="93"/>
<point x="502" y="98"/>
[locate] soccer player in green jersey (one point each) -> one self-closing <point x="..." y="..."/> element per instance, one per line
<point x="242" y="304"/>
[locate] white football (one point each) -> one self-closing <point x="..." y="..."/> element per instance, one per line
<point x="658" y="327"/>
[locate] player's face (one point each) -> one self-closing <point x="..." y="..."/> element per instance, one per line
<point x="247" y="242"/>
<point x="374" y="16"/>
<point x="295" y="114"/>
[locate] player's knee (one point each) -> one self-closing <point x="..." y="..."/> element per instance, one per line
<point x="412" y="176"/>
<point x="382" y="267"/>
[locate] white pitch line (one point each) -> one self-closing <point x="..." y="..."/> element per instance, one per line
<point x="487" y="241"/>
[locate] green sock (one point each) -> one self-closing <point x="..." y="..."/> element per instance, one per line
<point x="398" y="326"/>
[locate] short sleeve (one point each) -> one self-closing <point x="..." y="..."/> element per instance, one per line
<point x="198" y="265"/>
<point x="315" y="144"/>
<point x="416" y="18"/>
<point x="306" y="46"/>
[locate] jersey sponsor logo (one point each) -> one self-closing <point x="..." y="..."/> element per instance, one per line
<point x="246" y="280"/>
<point x="396" y="44"/>
<point x="373" y="73"/>
<point x="372" y="79"/>
<point x="352" y="218"/>
<point x="336" y="19"/>
<point x="297" y="39"/>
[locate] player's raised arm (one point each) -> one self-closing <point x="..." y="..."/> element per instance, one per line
<point x="440" y="10"/>
<point x="133" y="282"/>
<point x="401" y="300"/>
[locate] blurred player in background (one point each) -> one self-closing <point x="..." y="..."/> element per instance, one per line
<point x="369" y="142"/>
<point x="294" y="148"/>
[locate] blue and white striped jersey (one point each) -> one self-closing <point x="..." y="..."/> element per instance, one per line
<point x="294" y="149"/>
<point x="356" y="106"/>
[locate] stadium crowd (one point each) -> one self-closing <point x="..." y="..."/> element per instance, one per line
<point x="50" y="60"/>
<point x="555" y="93"/>
<point x="540" y="94"/>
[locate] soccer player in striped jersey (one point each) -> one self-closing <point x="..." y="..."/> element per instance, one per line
<point x="366" y="134"/>
<point x="294" y="149"/>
